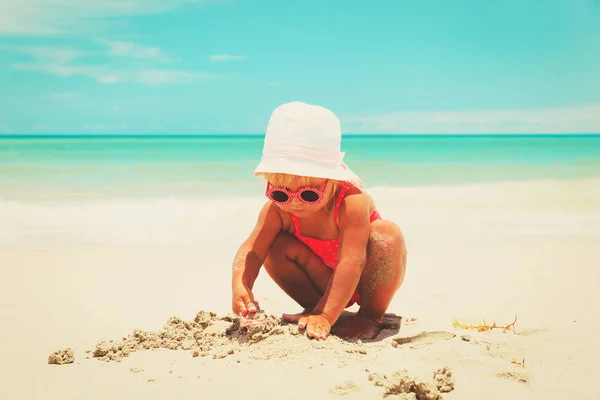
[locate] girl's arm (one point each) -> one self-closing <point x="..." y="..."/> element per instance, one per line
<point x="355" y="230"/>
<point x="253" y="252"/>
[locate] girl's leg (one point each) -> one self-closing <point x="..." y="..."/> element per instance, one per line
<point x="382" y="276"/>
<point x="297" y="270"/>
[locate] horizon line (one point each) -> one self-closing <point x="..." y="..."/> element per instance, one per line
<point x="262" y="135"/>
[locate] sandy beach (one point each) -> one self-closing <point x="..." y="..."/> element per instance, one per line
<point x="78" y="273"/>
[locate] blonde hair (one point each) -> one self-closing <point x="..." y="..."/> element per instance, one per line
<point x="285" y="180"/>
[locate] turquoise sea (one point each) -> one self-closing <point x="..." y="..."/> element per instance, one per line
<point x="75" y="167"/>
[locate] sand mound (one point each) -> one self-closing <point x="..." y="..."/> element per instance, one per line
<point x="218" y="337"/>
<point x="210" y="335"/>
<point x="411" y="388"/>
<point x="204" y="335"/>
<point x="60" y="357"/>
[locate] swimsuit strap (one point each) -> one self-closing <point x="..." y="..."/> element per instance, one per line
<point x="343" y="191"/>
<point x="296" y="225"/>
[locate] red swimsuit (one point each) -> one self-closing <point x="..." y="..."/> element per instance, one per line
<point x="328" y="249"/>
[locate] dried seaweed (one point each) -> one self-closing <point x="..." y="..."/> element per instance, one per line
<point x="484" y="327"/>
<point x="518" y="363"/>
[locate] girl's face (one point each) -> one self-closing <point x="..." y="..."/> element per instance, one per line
<point x="289" y="198"/>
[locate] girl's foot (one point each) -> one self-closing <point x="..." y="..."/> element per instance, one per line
<point x="360" y="327"/>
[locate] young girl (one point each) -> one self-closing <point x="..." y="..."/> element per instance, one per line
<point x="319" y="235"/>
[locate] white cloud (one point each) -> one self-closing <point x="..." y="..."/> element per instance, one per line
<point x="107" y="77"/>
<point x="226" y="57"/>
<point x="58" y="55"/>
<point x="579" y="119"/>
<point x="152" y="77"/>
<point x="158" y="77"/>
<point x="133" y="50"/>
<point x="44" y="17"/>
<point x="63" y="96"/>
<point x="99" y="73"/>
<point x="67" y="62"/>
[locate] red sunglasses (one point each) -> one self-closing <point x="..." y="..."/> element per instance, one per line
<point x="307" y="195"/>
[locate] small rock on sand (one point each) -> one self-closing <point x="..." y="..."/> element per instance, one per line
<point x="406" y="387"/>
<point x="444" y="380"/>
<point x="60" y="357"/>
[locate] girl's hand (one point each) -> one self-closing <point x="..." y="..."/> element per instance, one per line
<point x="243" y="301"/>
<point x="317" y="325"/>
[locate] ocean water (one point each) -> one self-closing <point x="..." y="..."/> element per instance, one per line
<point x="96" y="167"/>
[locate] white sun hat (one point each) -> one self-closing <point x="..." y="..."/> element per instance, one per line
<point x="304" y="139"/>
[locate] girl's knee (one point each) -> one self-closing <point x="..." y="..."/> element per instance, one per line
<point x="386" y="254"/>
<point x="386" y="238"/>
<point x="385" y="267"/>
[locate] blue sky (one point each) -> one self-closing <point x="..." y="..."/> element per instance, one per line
<point x="402" y="66"/>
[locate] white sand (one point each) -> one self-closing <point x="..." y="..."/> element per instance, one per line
<point x="75" y="274"/>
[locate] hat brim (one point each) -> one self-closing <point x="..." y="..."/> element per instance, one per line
<point x="305" y="168"/>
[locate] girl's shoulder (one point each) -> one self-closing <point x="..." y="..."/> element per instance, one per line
<point x="355" y="201"/>
<point x="285" y="218"/>
<point x="348" y="187"/>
